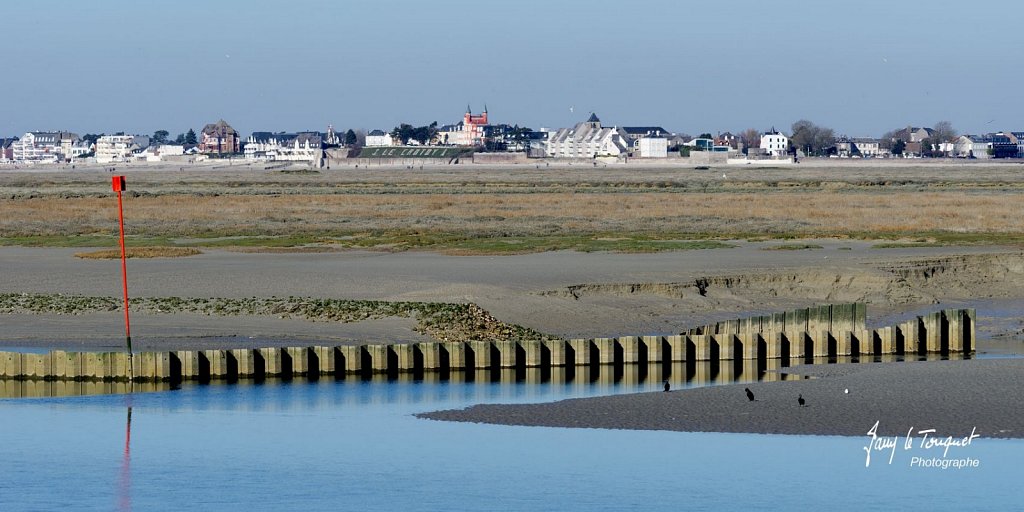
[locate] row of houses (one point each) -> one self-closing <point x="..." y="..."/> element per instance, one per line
<point x="215" y="139"/>
<point x="990" y="145"/>
<point x="587" y="139"/>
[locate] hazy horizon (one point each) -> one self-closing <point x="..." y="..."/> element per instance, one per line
<point x="266" y="66"/>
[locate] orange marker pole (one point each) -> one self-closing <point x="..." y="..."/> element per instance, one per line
<point x="119" y="186"/>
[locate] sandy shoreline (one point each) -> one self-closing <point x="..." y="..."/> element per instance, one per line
<point x="952" y="397"/>
<point x="563" y="293"/>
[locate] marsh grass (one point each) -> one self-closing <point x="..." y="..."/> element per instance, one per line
<point x="503" y="212"/>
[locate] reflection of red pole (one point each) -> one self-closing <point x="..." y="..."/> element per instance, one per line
<point x="119" y="186"/>
<point x="125" y="494"/>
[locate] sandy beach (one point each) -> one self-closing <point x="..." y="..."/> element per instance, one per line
<point x="955" y="398"/>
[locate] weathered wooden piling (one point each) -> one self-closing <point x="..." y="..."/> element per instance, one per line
<point x="702" y="346"/>
<point x="505" y="352"/>
<point x="726" y="343"/>
<point x="326" y="359"/>
<point x="481" y="351"/>
<point x="351" y="359"/>
<point x="604" y="349"/>
<point x="655" y="348"/>
<point x="675" y="348"/>
<point x="244" y="361"/>
<point x="214" y="364"/>
<point x="374" y="358"/>
<point x="580" y="352"/>
<point x="557" y="352"/>
<point x="273" y="361"/>
<point x="629" y="347"/>
<point x="839" y="331"/>
<point x="532" y="352"/>
<point x="427" y="356"/>
<point x="456" y="354"/>
<point x="402" y="356"/>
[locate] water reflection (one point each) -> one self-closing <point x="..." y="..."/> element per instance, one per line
<point x="300" y="444"/>
<point x="124" y="487"/>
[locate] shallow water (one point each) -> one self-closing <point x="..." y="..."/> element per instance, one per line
<point x="355" y="444"/>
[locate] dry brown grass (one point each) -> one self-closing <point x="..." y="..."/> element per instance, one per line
<point x="662" y="202"/>
<point x="140" y="252"/>
<point x="808" y="212"/>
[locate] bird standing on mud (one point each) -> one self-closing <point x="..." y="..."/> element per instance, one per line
<point x="750" y="395"/>
<point x="667" y="387"/>
<point x="800" y="400"/>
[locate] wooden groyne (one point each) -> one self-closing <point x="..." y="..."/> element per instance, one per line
<point x="831" y="331"/>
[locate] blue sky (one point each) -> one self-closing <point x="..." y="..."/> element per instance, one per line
<point x="861" y="68"/>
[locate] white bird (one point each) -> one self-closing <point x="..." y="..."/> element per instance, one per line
<point x="847" y="391"/>
<point x="723" y="176"/>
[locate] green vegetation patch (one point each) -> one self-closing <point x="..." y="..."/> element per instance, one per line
<point x="441" y="321"/>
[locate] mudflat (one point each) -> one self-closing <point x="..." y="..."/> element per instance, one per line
<point x="955" y="398"/>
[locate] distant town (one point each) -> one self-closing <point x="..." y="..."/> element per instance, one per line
<point x="477" y="138"/>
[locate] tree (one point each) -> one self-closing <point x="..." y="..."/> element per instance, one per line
<point x="944" y="133"/>
<point x="927" y="147"/>
<point x="751" y="138"/>
<point x="898" y="147"/>
<point x="402" y="132"/>
<point x="190" y="137"/>
<point x="350" y="138"/>
<point x="888" y="139"/>
<point x="422" y="134"/>
<point x="812" y="139"/>
<point x="91" y="137"/>
<point x="160" y="137"/>
<point x="180" y="139"/>
<point x="705" y="136"/>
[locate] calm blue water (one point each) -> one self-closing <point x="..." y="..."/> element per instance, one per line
<point x="345" y="445"/>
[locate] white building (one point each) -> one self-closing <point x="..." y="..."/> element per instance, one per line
<point x="37" y="147"/>
<point x="653" y="147"/>
<point x="378" y="138"/>
<point x="775" y="143"/>
<point x="587" y="140"/>
<point x="160" y="153"/>
<point x="293" y="147"/>
<point x="972" y="146"/>
<point x="119" y="148"/>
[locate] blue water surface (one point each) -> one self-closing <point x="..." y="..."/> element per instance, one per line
<point x="356" y="445"/>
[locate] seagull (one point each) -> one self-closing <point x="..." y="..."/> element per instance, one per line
<point x="750" y="395"/>
<point x="667" y="387"/>
<point x="800" y="400"/>
<point x="846" y="391"/>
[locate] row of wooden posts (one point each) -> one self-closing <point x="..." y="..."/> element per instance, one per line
<point x="947" y="331"/>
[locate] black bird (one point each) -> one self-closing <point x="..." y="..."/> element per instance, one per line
<point x="800" y="400"/>
<point x="750" y="395"/>
<point x="667" y="387"/>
